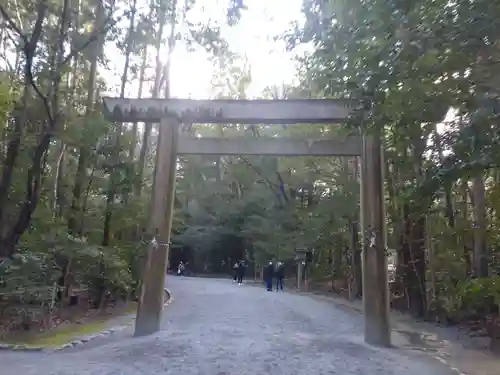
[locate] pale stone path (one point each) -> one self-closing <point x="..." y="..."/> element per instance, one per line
<point x="214" y="327"/>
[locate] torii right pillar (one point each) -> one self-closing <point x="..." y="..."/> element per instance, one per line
<point x="374" y="238"/>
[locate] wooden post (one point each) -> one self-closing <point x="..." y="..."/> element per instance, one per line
<point x="150" y="307"/>
<point x="375" y="278"/>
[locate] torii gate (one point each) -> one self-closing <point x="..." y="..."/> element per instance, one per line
<point x="170" y="113"/>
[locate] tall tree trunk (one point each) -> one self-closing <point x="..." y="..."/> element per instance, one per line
<point x="467" y="240"/>
<point x="111" y="193"/>
<point x="10" y="236"/>
<point x="142" y="71"/>
<point x="156" y="88"/>
<point x="74" y="226"/>
<point x="413" y="254"/>
<point x="412" y="251"/>
<point x="480" y="249"/>
<point x="449" y="211"/>
<point x="59" y="197"/>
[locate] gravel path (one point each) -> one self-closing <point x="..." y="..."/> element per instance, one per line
<point x="214" y="327"/>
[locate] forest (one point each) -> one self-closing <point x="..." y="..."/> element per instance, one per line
<point x="75" y="188"/>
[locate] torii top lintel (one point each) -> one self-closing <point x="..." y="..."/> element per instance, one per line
<point x="293" y="111"/>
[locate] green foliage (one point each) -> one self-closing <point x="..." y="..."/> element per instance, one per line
<point x="76" y="188"/>
<point x="477" y="297"/>
<point x="411" y="63"/>
<point x="6" y="101"/>
<point x="415" y="65"/>
<point x="106" y="273"/>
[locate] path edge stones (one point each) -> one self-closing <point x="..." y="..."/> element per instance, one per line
<point x="80" y="340"/>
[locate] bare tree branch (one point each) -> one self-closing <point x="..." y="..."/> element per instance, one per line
<point x="282" y="187"/>
<point x="29" y="48"/>
<point x="12" y="24"/>
<point x="109" y="24"/>
<point x="275" y="188"/>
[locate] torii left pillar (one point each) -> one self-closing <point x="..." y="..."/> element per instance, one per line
<point x="152" y="297"/>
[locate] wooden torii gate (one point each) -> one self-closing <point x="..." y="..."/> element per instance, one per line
<point x="171" y="113"/>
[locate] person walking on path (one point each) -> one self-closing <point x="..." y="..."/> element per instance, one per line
<point x="241" y="272"/>
<point x="268" y="276"/>
<point x="235" y="271"/>
<point x="181" y="268"/>
<point x="280" y="275"/>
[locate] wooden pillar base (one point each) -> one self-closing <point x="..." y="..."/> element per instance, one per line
<point x="150" y="308"/>
<point x="376" y="305"/>
<point x="146" y="325"/>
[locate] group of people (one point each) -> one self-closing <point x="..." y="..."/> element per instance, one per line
<point x="270" y="272"/>
<point x="239" y="272"/>
<point x="274" y="271"/>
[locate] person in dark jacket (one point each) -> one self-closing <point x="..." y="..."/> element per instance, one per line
<point x="241" y="272"/>
<point x="268" y="276"/>
<point x="280" y="275"/>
